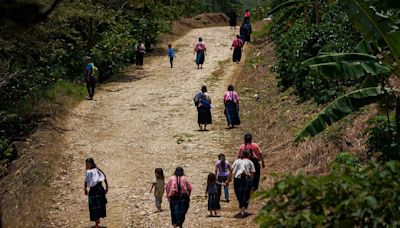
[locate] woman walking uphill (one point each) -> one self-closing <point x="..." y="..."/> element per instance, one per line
<point x="255" y="156"/>
<point x="178" y="191"/>
<point x="97" y="194"/>
<point x="203" y="104"/>
<point x="231" y="102"/>
<point x="243" y="171"/>
<point x="223" y="171"/>
<point x="200" y="51"/>
<point x="237" y="46"/>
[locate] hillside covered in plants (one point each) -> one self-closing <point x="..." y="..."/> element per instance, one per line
<point x="342" y="56"/>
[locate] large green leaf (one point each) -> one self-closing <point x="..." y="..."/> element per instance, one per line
<point x="345" y="66"/>
<point x="375" y="25"/>
<point x="338" y="109"/>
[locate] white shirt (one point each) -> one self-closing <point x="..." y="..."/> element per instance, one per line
<point x="93" y="177"/>
<point x="242" y="166"/>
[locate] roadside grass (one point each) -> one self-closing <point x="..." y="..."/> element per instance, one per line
<point x="217" y="75"/>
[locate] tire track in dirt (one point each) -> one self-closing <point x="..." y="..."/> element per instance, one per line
<point x="148" y="121"/>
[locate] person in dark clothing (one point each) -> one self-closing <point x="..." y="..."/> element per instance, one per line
<point x="233" y="19"/>
<point x="140" y="51"/>
<point x="90" y="77"/>
<point x="248" y="30"/>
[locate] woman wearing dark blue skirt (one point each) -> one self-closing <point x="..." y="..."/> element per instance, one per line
<point x="231" y="102"/>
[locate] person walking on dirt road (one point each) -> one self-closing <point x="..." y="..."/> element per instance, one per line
<point x="237" y="46"/>
<point x="223" y="172"/>
<point x="200" y="51"/>
<point x="140" y="50"/>
<point x="231" y="102"/>
<point x="203" y="104"/>
<point x="178" y="189"/>
<point x="243" y="171"/>
<point x="255" y="156"/>
<point x="90" y="77"/>
<point x="97" y="195"/>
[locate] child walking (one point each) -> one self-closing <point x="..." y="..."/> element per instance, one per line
<point x="223" y="171"/>
<point x="212" y="192"/>
<point x="171" y="55"/>
<point x="159" y="187"/>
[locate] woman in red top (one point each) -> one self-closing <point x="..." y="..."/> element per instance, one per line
<point x="256" y="156"/>
<point x="247" y="15"/>
<point x="178" y="189"/>
<point x="237" y="46"/>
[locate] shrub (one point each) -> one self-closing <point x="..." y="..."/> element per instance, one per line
<point x="382" y="139"/>
<point x="361" y="197"/>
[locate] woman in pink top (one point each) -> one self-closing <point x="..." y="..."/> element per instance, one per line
<point x="178" y="191"/>
<point x="255" y="156"/>
<point x="231" y="102"/>
<point x="237" y="46"/>
<point x="200" y="51"/>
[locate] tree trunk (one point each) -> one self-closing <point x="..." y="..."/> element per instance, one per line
<point x="317" y="7"/>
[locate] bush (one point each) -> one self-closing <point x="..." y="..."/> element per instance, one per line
<point x="302" y="41"/>
<point x="382" y="139"/>
<point x="360" y="197"/>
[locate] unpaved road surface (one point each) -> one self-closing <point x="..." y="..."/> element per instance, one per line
<point x="146" y="121"/>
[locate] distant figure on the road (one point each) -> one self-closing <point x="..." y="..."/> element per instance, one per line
<point x="243" y="171"/>
<point x="159" y="187"/>
<point x="255" y="156"/>
<point x="232" y="19"/>
<point x="237" y="46"/>
<point x="178" y="191"/>
<point x="231" y="102"/>
<point x="140" y="51"/>
<point x="200" y="51"/>
<point x="203" y="104"/>
<point x="97" y="195"/>
<point x="246" y="16"/>
<point x="91" y="76"/>
<point x="171" y="55"/>
<point x="242" y="31"/>
<point x="223" y="171"/>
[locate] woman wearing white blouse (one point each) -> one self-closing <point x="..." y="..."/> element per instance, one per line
<point x="243" y="171"/>
<point x="97" y="194"/>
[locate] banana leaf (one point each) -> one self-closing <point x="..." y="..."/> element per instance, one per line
<point x="345" y="66"/>
<point x="375" y="25"/>
<point x="338" y="109"/>
<point x="285" y="5"/>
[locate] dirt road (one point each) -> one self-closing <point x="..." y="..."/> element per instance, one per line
<point x="148" y="120"/>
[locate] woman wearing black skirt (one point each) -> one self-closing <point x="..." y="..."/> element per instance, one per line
<point x="203" y="103"/>
<point x="237" y="46"/>
<point x="97" y="194"/>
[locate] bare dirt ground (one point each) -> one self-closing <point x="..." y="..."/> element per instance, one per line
<point x="146" y="121"/>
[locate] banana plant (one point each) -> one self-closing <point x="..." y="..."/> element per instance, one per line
<point x="296" y="7"/>
<point x="377" y="27"/>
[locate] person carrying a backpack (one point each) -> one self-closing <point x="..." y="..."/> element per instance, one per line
<point x="255" y="156"/>
<point x="91" y="75"/>
<point x="178" y="189"/>
<point x="203" y="104"/>
<point x="140" y="50"/>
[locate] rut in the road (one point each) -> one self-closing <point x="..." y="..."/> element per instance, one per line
<point x="149" y="121"/>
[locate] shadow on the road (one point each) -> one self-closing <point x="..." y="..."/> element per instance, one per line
<point x="240" y="216"/>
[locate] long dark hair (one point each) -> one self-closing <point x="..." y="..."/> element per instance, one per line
<point x="221" y="157"/>
<point x="230" y="87"/>
<point x="159" y="173"/>
<point x="248" y="138"/>
<point x="179" y="172"/>
<point x="245" y="154"/>
<point x="91" y="162"/>
<point x="204" y="89"/>
<point x="211" y="179"/>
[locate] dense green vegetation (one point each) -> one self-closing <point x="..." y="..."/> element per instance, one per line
<point x="345" y="52"/>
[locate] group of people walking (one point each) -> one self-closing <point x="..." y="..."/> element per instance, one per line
<point x="202" y="102"/>
<point x="244" y="172"/>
